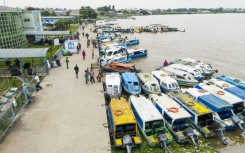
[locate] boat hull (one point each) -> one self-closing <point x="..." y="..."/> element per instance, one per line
<point x="138" y="55"/>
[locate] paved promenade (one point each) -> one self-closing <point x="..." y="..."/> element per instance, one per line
<point x="67" y="115"/>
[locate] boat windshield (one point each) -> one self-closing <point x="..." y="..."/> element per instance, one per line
<point x="126" y="129"/>
<point x="136" y="86"/>
<point x="180" y="124"/>
<point x="154" y="127"/>
<point x="109" y="54"/>
<point x="205" y="120"/>
<point x="225" y="114"/>
<point x="238" y="107"/>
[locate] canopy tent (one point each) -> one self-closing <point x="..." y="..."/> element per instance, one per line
<point x="23" y="53"/>
<point x="47" y="33"/>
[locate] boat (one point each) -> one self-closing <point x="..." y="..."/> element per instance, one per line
<point x="136" y="53"/>
<point x="196" y="73"/>
<point x="177" y="119"/>
<point x="167" y="84"/>
<point x="122" y="124"/>
<point x="183" y="78"/>
<point x="239" y="92"/>
<point x="119" y="58"/>
<point x="112" y="85"/>
<point x="119" y="67"/>
<point x="236" y="102"/>
<point x="150" y="122"/>
<point x="148" y="83"/>
<point x="206" y="68"/>
<point x="236" y="82"/>
<point x="106" y="49"/>
<point x="222" y="110"/>
<point x="202" y="117"/>
<point x="131" y="42"/>
<point x="130" y="83"/>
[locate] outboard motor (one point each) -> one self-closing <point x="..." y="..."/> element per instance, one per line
<point x="162" y="139"/>
<point x="128" y="142"/>
<point x="190" y="133"/>
<point x="237" y="121"/>
<point x="218" y="130"/>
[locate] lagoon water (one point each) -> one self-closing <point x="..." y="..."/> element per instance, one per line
<point x="216" y="38"/>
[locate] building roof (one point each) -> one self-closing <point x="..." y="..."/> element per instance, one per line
<point x="58" y="17"/>
<point x="9" y="9"/>
<point x="47" y="33"/>
<point x="23" y="53"/>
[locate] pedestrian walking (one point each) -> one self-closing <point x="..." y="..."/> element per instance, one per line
<point x="92" y="76"/>
<point x="86" y="76"/>
<point x="88" y="43"/>
<point x="92" y="53"/>
<point x="83" y="34"/>
<point x="99" y="76"/>
<point x="83" y="54"/>
<point x="87" y="35"/>
<point x="67" y="62"/>
<point x="76" y="68"/>
<point x="37" y="80"/>
<point x="90" y="29"/>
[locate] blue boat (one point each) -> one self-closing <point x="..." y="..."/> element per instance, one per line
<point x="130" y="83"/>
<point x="131" y="42"/>
<point x="239" y="92"/>
<point x="236" y="82"/>
<point x="136" y="53"/>
<point x="223" y="113"/>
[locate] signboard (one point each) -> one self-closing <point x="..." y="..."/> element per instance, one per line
<point x="71" y="45"/>
<point x="56" y="42"/>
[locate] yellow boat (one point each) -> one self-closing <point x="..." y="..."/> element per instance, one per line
<point x="122" y="124"/>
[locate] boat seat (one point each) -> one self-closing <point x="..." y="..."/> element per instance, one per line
<point x="159" y="130"/>
<point x="148" y="132"/>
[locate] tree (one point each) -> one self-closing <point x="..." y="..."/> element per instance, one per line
<point x="45" y="13"/>
<point x="144" y="12"/>
<point x="87" y="12"/>
<point x="53" y="14"/>
<point x="113" y="7"/>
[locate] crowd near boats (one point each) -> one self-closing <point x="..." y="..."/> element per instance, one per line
<point x="180" y="100"/>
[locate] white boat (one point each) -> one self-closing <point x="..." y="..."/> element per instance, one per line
<point x="177" y="119"/>
<point x="182" y="77"/>
<point x="206" y="68"/>
<point x="195" y="72"/>
<point x="112" y="85"/>
<point x="167" y="84"/>
<point x="136" y="53"/>
<point x="238" y="103"/>
<point x="148" y="83"/>
<point x="118" y="58"/>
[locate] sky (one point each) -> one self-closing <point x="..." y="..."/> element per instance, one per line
<point x="119" y="4"/>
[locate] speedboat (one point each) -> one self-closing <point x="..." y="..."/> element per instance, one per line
<point x="148" y="83"/>
<point x="119" y="67"/>
<point x="196" y="73"/>
<point x="238" y="103"/>
<point x="183" y="78"/>
<point x="136" y="53"/>
<point x="204" y="67"/>
<point x="239" y="92"/>
<point x="223" y="113"/>
<point x="119" y="58"/>
<point x="202" y="117"/>
<point x="167" y="84"/>
<point x="112" y="85"/>
<point x="122" y="124"/>
<point x="130" y="83"/>
<point x="131" y="42"/>
<point x="177" y="119"/>
<point x="112" y="48"/>
<point x="236" y="82"/>
<point x="150" y="122"/>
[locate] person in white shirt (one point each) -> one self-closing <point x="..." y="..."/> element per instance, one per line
<point x="38" y="86"/>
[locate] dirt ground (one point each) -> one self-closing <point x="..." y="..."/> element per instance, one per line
<point x="67" y="115"/>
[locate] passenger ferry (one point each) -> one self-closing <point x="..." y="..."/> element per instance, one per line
<point x="130" y="83"/>
<point x="131" y="42"/>
<point x="150" y="122"/>
<point x="236" y="82"/>
<point x="137" y="53"/>
<point x="112" y="85"/>
<point x="122" y="124"/>
<point x="148" y="83"/>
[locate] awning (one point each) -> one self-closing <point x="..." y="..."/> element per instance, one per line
<point x="47" y="33"/>
<point x="23" y="53"/>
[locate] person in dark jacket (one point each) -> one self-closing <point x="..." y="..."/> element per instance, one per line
<point x="76" y="68"/>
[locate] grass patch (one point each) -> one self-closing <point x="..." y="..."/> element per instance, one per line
<point x="73" y="28"/>
<point x="12" y="83"/>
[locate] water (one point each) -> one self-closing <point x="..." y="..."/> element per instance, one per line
<point x="216" y="38"/>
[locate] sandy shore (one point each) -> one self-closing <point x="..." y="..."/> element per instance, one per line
<point x="67" y="115"/>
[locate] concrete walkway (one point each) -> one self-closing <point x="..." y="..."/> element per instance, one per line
<point x="66" y="117"/>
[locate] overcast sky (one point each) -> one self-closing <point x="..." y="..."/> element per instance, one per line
<point x="146" y="4"/>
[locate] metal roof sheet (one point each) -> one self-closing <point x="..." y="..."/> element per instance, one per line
<point x="23" y="53"/>
<point x="47" y="33"/>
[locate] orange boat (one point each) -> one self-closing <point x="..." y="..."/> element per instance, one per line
<point x="119" y="67"/>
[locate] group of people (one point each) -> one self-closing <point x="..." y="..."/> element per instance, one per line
<point x="89" y="76"/>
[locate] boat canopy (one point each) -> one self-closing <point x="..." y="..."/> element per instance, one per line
<point x="176" y="71"/>
<point x="161" y="75"/>
<point x="222" y="94"/>
<point x="237" y="91"/>
<point x="165" y="103"/>
<point x="129" y="77"/>
<point x="121" y="106"/>
<point x="113" y="79"/>
<point x="124" y="65"/>
<point x="145" y="109"/>
<point x="146" y="77"/>
<point x="197" y="107"/>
